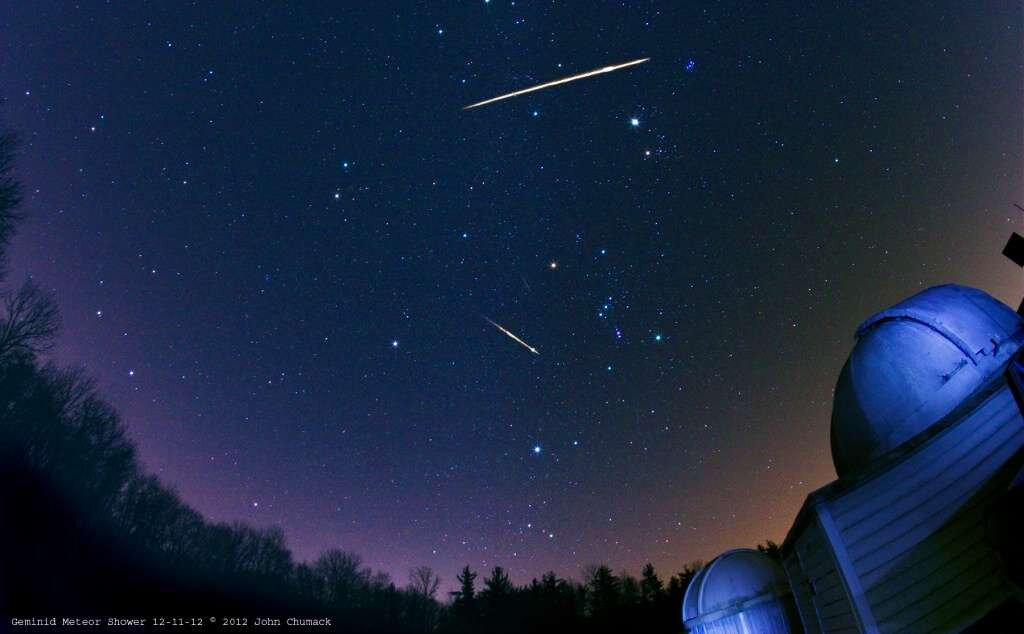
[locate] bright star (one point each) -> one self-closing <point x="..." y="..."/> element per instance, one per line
<point x="131" y="372"/>
<point x="657" y="337"/>
<point x="394" y="343"/>
<point x="536" y="449"/>
<point x="634" y="122"/>
<point x="553" y="265"/>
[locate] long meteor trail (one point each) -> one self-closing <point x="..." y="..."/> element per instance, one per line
<point x="517" y="339"/>
<point x="599" y="71"/>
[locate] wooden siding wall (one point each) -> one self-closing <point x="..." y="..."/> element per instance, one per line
<point x="818" y="589"/>
<point x="915" y="534"/>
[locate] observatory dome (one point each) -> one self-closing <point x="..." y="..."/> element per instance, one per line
<point x="741" y="590"/>
<point x="912" y="364"/>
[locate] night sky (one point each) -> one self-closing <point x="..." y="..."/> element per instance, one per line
<point x="275" y="234"/>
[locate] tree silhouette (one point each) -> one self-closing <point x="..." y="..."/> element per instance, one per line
<point x="556" y="606"/>
<point x="10" y="195"/>
<point x="629" y="589"/>
<point x="771" y="549"/>
<point x="30" y="321"/>
<point x="465" y="611"/>
<point x="424" y="582"/>
<point x="466" y="594"/>
<point x="651" y="587"/>
<point x="498" y="585"/>
<point x="603" y="598"/>
<point x="30" y="318"/>
<point x="497" y="601"/>
<point x="342" y="578"/>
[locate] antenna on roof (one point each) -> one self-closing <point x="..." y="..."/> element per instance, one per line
<point x="1014" y="250"/>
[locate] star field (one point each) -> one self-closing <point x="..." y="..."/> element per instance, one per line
<point x="274" y="236"/>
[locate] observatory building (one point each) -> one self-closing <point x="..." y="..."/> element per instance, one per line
<point x="741" y="590"/>
<point x="919" y="533"/>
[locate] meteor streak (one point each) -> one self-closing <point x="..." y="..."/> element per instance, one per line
<point x="518" y="340"/>
<point x="599" y="71"/>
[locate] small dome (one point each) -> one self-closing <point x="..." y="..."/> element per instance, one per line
<point x="911" y="365"/>
<point x="737" y="581"/>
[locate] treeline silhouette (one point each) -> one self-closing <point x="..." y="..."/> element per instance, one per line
<point x="86" y="532"/>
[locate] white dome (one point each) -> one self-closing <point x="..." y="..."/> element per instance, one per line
<point x="735" y="581"/>
<point x="911" y="365"/>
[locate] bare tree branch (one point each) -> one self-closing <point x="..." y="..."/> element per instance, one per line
<point x="10" y="195"/>
<point x="423" y="581"/>
<point x="29" y="322"/>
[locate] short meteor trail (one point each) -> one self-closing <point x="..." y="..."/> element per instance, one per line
<point x="518" y="340"/>
<point x="599" y="71"/>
